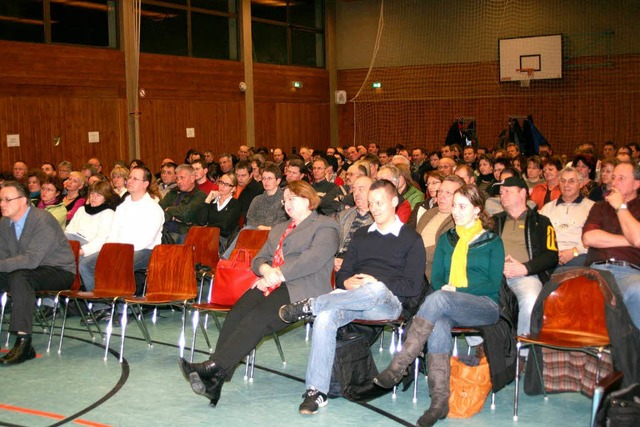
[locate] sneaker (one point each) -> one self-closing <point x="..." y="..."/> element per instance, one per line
<point x="313" y="400"/>
<point x="291" y="313"/>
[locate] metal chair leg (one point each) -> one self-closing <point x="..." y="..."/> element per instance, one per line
<point x="279" y="347"/>
<point x="253" y="364"/>
<point x="181" y="339"/>
<point x="400" y="333"/>
<point x="123" y="329"/>
<point x="416" y="373"/>
<point x="515" y="393"/>
<point x="248" y="369"/>
<point x="307" y="331"/>
<point x="64" y="321"/>
<point x="109" y="331"/>
<point x="195" y="320"/>
<point x="53" y="321"/>
<point x="3" y="303"/>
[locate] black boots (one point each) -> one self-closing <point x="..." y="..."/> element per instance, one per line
<point x="439" y="371"/>
<point x="413" y="345"/>
<point x="206" y="379"/>
<point x="21" y="352"/>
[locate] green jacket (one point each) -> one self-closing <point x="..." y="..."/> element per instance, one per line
<point x="185" y="213"/>
<point x="413" y="196"/>
<point x="485" y="263"/>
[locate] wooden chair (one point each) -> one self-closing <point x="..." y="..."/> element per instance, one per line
<point x="206" y="241"/>
<point x="573" y="320"/>
<point x="252" y="239"/>
<point x="170" y="281"/>
<point x="110" y="284"/>
<point x="75" y="247"/>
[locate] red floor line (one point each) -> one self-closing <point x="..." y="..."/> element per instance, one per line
<point x="49" y="415"/>
<point x="38" y="355"/>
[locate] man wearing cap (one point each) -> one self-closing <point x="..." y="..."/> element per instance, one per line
<point x="530" y="247"/>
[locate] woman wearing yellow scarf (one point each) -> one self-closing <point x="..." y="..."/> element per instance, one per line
<point x="466" y="277"/>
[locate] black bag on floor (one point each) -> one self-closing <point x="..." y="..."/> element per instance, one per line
<point x="620" y="408"/>
<point x="353" y="366"/>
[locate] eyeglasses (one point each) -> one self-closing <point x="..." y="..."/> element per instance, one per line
<point x="224" y="183"/>
<point x="268" y="178"/>
<point x="6" y="200"/>
<point x="133" y="178"/>
<point x="290" y="199"/>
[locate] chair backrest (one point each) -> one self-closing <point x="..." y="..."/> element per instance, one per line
<point x="114" y="270"/>
<point x="576" y="306"/>
<point x="252" y="239"/>
<point x="75" y="247"/>
<point x="171" y="272"/>
<point x="206" y="241"/>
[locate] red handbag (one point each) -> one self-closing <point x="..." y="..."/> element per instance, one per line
<point x="233" y="277"/>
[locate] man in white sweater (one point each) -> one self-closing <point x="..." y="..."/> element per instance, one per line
<point x="138" y="221"/>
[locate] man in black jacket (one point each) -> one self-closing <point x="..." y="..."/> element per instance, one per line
<point x="529" y="244"/>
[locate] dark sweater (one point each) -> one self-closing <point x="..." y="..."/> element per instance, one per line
<point x="398" y="262"/>
<point x="227" y="219"/>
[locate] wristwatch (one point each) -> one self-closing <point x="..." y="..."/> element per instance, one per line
<point x="575" y="252"/>
<point x="622" y="206"/>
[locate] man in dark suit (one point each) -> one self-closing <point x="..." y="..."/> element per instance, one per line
<point x="34" y="256"/>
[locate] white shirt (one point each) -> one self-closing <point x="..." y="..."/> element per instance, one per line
<point x="394" y="229"/>
<point x="139" y="223"/>
<point x="568" y="220"/>
<point x="94" y="228"/>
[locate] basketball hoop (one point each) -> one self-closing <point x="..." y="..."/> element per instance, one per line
<point x="527" y="76"/>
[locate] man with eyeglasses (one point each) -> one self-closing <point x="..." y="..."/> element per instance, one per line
<point x="266" y="209"/>
<point x="138" y="221"/>
<point x="181" y="204"/>
<point x="382" y="271"/>
<point x="34" y="255"/>
<point x="431" y="223"/>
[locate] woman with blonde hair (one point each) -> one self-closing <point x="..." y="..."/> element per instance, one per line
<point x="74" y="199"/>
<point x="119" y="175"/>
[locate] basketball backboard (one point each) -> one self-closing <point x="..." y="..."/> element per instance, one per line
<point x="542" y="54"/>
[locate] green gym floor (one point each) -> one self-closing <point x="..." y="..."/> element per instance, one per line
<point x="78" y="387"/>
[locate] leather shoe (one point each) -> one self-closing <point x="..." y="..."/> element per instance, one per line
<point x="206" y="379"/>
<point x="21" y="352"/>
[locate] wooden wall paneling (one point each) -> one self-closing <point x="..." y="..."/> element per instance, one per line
<point x="32" y="69"/>
<point x="302" y="124"/>
<point x="219" y="126"/>
<point x="265" y="126"/>
<point x="273" y="84"/>
<point x="173" y="77"/>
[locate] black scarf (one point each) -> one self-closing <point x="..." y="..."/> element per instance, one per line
<point x="96" y="210"/>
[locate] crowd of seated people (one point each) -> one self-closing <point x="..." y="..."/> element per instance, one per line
<point x="548" y="213"/>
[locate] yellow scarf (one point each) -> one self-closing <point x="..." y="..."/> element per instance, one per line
<point x="458" y="275"/>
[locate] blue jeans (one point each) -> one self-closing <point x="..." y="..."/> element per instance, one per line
<point x="526" y="289"/>
<point x="446" y="310"/>
<point x="372" y="301"/>
<point x="628" y="280"/>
